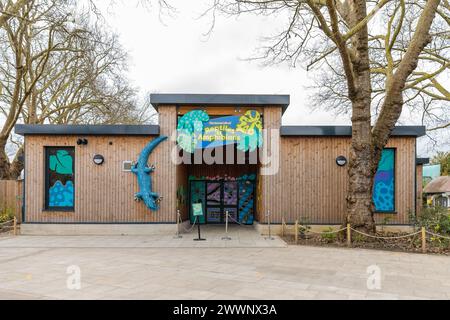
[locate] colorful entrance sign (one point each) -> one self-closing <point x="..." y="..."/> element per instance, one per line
<point x="196" y="130"/>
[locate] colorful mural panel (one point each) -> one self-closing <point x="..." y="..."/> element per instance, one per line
<point x="61" y="195"/>
<point x="60" y="177"/>
<point x="246" y="198"/>
<point x="196" y="130"/>
<point x="384" y="184"/>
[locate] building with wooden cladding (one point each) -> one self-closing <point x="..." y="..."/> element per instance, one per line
<point x="82" y="174"/>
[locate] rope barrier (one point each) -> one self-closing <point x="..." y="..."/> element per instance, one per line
<point x="437" y="235"/>
<point x="362" y="233"/>
<point x="386" y="238"/>
<point x="6" y="222"/>
<point x="326" y="232"/>
<point x="232" y="219"/>
<point x="422" y="231"/>
<point x="191" y="228"/>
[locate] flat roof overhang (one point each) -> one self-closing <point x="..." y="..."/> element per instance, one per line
<point x="333" y="131"/>
<point x="422" y="161"/>
<point x="116" y="129"/>
<point x="218" y="100"/>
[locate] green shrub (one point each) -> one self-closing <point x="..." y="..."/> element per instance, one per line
<point x="6" y="214"/>
<point x="357" y="237"/>
<point x="328" y="236"/>
<point x="434" y="219"/>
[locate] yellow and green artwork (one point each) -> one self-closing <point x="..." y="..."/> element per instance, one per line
<point x="197" y="130"/>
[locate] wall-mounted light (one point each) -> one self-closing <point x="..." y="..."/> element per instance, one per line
<point x="341" y="161"/>
<point x="81" y="141"/>
<point x="98" y="159"/>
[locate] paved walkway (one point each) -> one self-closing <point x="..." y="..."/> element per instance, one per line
<point x="239" y="237"/>
<point x="36" y="267"/>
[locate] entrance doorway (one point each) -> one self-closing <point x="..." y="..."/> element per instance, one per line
<point x="237" y="197"/>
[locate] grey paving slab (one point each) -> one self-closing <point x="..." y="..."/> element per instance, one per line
<point x="136" y="268"/>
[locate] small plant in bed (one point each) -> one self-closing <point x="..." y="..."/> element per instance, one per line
<point x="6" y="214"/>
<point x="303" y="228"/>
<point x="328" y="236"/>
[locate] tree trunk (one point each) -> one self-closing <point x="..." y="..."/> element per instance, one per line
<point x="361" y="171"/>
<point x="362" y="165"/>
<point x="4" y="161"/>
<point x="17" y="165"/>
<point x="10" y="170"/>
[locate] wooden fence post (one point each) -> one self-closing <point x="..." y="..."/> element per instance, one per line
<point x="424" y="241"/>
<point x="15" y="226"/>
<point x="296" y="231"/>
<point x="349" y="235"/>
<point x="282" y="226"/>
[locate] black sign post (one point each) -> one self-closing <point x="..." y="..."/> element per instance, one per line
<point x="197" y="211"/>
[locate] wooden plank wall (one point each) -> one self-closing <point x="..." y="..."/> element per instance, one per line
<point x="182" y="185"/>
<point x="269" y="198"/>
<point x="311" y="187"/>
<point x="104" y="193"/>
<point x="419" y="188"/>
<point x="11" y="197"/>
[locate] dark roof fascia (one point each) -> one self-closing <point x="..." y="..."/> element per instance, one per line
<point x="211" y="100"/>
<point x="49" y="129"/>
<point x="422" y="160"/>
<point x="414" y="131"/>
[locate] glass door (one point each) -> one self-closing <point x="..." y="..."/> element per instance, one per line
<point x="230" y="200"/>
<point x="218" y="197"/>
<point x="213" y="202"/>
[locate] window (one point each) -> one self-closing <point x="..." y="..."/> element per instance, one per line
<point x="59" y="178"/>
<point x="442" y="201"/>
<point x="384" y="184"/>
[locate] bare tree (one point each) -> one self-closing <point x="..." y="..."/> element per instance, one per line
<point x="58" y="66"/>
<point x="373" y="58"/>
<point x="9" y="9"/>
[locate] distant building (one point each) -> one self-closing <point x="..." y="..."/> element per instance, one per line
<point x="438" y="192"/>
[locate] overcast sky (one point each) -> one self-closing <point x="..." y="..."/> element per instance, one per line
<point x="174" y="56"/>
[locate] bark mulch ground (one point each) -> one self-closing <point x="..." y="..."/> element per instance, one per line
<point x="6" y="226"/>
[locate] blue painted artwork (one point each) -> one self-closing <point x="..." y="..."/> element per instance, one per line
<point x="246" y="199"/>
<point x="61" y="195"/>
<point x="384" y="183"/>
